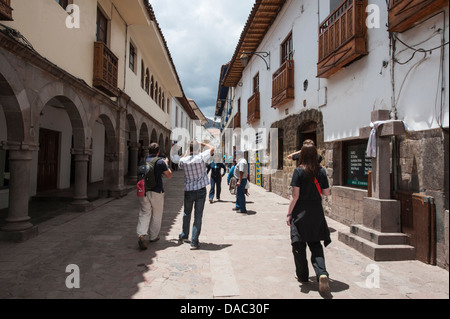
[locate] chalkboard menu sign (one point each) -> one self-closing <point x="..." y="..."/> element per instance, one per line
<point x="358" y="165"/>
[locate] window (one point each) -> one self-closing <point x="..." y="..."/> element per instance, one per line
<point x="133" y="56"/>
<point x="142" y="74"/>
<point x="256" y="83"/>
<point x="63" y="3"/>
<point x="147" y="79"/>
<point x="356" y="164"/>
<point x="102" y="27"/>
<point x="334" y="4"/>
<point x="152" y="88"/>
<point x="287" y="49"/>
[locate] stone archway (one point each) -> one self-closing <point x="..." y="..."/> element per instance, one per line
<point x="133" y="149"/>
<point x="20" y="146"/>
<point x="295" y="128"/>
<point x="161" y="144"/>
<point x="154" y="137"/>
<point x="144" y="141"/>
<point x="61" y="96"/>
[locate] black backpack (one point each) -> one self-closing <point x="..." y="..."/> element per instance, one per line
<point x="146" y="177"/>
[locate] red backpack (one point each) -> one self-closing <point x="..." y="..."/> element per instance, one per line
<point x="140" y="188"/>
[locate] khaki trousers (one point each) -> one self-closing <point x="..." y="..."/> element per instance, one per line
<point x="150" y="215"/>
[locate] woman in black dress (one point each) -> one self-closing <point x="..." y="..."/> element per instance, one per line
<point x="306" y="217"/>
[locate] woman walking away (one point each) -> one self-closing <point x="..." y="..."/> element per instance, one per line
<point x="306" y="217"/>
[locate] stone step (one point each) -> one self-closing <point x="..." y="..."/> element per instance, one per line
<point x="379" y="238"/>
<point x="377" y="252"/>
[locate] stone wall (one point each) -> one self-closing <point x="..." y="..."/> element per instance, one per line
<point x="347" y="205"/>
<point x="423" y="168"/>
<point x="290" y="126"/>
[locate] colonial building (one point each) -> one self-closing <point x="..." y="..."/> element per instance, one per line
<point x="85" y="87"/>
<point x="325" y="70"/>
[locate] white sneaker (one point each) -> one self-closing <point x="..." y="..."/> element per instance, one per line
<point x="324" y="285"/>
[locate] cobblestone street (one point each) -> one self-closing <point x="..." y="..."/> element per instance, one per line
<point x="242" y="256"/>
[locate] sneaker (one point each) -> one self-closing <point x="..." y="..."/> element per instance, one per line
<point x="236" y="209"/>
<point x="142" y="243"/>
<point x="324" y="285"/>
<point x="195" y="247"/>
<point x="181" y="239"/>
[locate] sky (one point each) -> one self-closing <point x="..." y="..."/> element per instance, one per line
<point x="202" y="35"/>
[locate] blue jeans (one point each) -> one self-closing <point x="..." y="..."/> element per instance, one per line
<point x="240" y="196"/>
<point x="215" y="184"/>
<point x="198" y="198"/>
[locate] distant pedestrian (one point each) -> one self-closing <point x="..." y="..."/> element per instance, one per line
<point x="194" y="164"/>
<point x="152" y="204"/>
<point x="241" y="174"/>
<point x="296" y="155"/>
<point x="306" y="217"/>
<point x="216" y="178"/>
<point x="231" y="180"/>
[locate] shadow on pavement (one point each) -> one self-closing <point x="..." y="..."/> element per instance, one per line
<point x="313" y="285"/>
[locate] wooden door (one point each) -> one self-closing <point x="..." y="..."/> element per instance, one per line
<point x="418" y="221"/>
<point x="48" y="160"/>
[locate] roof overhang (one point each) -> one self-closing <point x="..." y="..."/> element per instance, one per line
<point x="263" y="14"/>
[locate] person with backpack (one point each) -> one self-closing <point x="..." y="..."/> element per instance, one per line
<point x="151" y="197"/>
<point x="306" y="217"/>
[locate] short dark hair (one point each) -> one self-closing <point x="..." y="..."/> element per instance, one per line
<point x="153" y="149"/>
<point x="194" y="147"/>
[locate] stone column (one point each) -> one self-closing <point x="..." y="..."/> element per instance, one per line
<point x="380" y="211"/>
<point x="18" y="226"/>
<point x="81" y="158"/>
<point x="113" y="185"/>
<point x="133" y="162"/>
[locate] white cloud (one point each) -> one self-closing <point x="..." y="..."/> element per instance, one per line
<point x="202" y="36"/>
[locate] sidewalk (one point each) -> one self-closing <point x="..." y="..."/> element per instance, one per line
<point x="242" y="256"/>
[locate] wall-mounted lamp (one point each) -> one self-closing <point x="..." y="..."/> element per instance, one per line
<point x="245" y="57"/>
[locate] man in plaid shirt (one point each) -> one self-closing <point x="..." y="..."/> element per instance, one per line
<point x="194" y="164"/>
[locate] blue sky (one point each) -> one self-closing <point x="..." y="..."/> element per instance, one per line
<point x="202" y="35"/>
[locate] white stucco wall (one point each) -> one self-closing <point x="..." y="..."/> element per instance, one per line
<point x="365" y="85"/>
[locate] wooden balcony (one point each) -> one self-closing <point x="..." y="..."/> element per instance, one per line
<point x="237" y="120"/>
<point x="342" y="37"/>
<point x="105" y="70"/>
<point x="5" y="10"/>
<point x="404" y="14"/>
<point x="253" y="108"/>
<point x="283" y="89"/>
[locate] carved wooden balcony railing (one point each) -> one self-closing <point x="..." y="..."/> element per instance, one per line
<point x="105" y="70"/>
<point x="237" y="120"/>
<point x="283" y="84"/>
<point x="404" y="14"/>
<point x="5" y="10"/>
<point x="342" y="37"/>
<point x="253" y="108"/>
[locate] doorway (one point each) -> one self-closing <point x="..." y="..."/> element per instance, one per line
<point x="48" y="164"/>
<point x="307" y="132"/>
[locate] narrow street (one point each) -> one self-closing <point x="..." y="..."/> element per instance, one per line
<point x="242" y="256"/>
